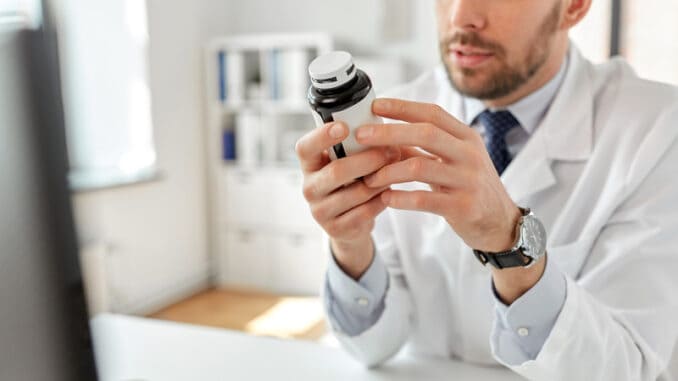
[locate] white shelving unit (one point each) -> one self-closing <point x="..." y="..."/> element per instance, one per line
<point x="262" y="234"/>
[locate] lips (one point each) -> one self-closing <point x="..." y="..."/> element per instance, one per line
<point x="468" y="56"/>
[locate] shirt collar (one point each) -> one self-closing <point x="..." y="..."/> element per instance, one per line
<point x="530" y="110"/>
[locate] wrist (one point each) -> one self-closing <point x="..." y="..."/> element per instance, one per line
<point x="512" y="283"/>
<point x="353" y="257"/>
<point x="504" y="237"/>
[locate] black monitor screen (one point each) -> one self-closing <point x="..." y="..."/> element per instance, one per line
<point x="43" y="322"/>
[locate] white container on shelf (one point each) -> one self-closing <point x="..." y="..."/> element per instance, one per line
<point x="248" y="138"/>
<point x="292" y="74"/>
<point x="235" y="76"/>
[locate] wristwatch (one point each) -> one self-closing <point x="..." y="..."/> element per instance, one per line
<point x="530" y="245"/>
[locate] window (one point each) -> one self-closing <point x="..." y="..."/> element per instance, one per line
<point x="23" y="12"/>
<point x="648" y="38"/>
<point x="107" y="101"/>
<point x="592" y="35"/>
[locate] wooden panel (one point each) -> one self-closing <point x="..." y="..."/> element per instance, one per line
<point x="251" y="312"/>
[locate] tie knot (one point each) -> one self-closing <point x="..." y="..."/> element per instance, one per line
<point x="497" y="124"/>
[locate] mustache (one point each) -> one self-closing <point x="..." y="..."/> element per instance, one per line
<point x="471" y="39"/>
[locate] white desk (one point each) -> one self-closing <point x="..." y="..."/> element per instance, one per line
<point x="130" y="348"/>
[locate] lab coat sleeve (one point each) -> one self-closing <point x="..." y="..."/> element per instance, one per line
<point x="521" y="329"/>
<point x="619" y="321"/>
<point x="387" y="334"/>
<point x="353" y="307"/>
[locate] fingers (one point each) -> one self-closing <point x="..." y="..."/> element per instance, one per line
<point x="424" y="135"/>
<point x="357" y="220"/>
<point x="311" y="146"/>
<point x="415" y="112"/>
<point x="410" y="152"/>
<point x="344" y="171"/>
<point x="344" y="200"/>
<point x="423" y="201"/>
<point x="420" y="169"/>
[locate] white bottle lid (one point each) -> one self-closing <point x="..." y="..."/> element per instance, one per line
<point x="332" y="70"/>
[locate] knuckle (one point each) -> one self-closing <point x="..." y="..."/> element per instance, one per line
<point x="334" y="171"/>
<point x="437" y="112"/>
<point x="309" y="191"/>
<point x="428" y="133"/>
<point x="419" y="201"/>
<point x="363" y="192"/>
<point x="298" y="147"/>
<point x="416" y="166"/>
<point x="318" y="212"/>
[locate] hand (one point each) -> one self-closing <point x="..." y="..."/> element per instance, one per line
<point x="465" y="187"/>
<point x="466" y="190"/>
<point x="343" y="206"/>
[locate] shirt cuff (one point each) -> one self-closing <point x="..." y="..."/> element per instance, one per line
<point x="352" y="306"/>
<point x="521" y="329"/>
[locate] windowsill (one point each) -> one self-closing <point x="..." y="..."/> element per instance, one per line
<point x="92" y="181"/>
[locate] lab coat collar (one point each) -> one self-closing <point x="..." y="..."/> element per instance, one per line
<point x="565" y="134"/>
<point x="568" y="125"/>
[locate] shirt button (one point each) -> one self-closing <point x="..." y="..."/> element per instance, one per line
<point x="522" y="331"/>
<point x="362" y="301"/>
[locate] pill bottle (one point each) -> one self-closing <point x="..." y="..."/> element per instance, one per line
<point x="341" y="92"/>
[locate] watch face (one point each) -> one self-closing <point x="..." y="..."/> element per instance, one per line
<point x="533" y="237"/>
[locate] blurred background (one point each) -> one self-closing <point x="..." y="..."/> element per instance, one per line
<point x="181" y="121"/>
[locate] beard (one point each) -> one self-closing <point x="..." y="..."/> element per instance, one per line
<point x="507" y="78"/>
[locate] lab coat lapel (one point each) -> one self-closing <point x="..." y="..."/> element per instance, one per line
<point x="566" y="133"/>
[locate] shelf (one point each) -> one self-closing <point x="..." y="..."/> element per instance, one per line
<point x="267" y="106"/>
<point x="257" y="87"/>
<point x="282" y="165"/>
<point x="321" y="41"/>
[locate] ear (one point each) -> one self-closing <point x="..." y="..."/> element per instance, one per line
<point x="575" y="10"/>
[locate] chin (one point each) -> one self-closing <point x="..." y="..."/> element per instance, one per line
<point x="469" y="83"/>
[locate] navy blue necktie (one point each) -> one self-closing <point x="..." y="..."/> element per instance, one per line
<point x="497" y="125"/>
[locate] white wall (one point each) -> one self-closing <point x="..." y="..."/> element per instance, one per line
<point x="157" y="232"/>
<point x="649" y="38"/>
<point x="365" y="27"/>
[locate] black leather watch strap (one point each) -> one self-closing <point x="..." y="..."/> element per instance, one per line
<point x="503" y="260"/>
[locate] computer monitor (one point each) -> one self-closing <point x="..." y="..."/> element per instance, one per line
<point x="43" y="321"/>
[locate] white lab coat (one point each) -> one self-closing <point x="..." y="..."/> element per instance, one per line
<point x="601" y="172"/>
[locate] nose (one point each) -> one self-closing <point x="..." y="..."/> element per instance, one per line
<point x="466" y="15"/>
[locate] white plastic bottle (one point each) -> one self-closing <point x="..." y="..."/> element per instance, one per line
<point x="341" y="92"/>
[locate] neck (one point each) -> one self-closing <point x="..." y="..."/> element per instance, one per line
<point x="539" y="79"/>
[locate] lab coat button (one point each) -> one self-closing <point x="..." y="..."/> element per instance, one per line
<point x="522" y="331"/>
<point x="362" y="301"/>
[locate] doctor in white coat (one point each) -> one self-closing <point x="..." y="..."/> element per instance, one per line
<point x="523" y="209"/>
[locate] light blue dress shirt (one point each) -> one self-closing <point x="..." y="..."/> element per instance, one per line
<point x="523" y="327"/>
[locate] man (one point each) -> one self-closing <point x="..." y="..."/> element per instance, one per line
<point x="436" y="248"/>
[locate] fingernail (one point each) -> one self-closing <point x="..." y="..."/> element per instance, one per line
<point x="337" y="131"/>
<point x="364" y="132"/>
